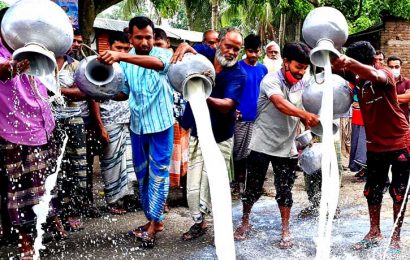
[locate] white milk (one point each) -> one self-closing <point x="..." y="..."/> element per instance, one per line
<point x="330" y="174"/>
<point x="216" y="170"/>
<point x="42" y="208"/>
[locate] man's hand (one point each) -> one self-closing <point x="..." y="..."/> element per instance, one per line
<point x="20" y="67"/>
<point x="104" y="136"/>
<point x="310" y="120"/>
<point x="181" y="50"/>
<point x="238" y="115"/>
<point x="110" y="57"/>
<point x="341" y="62"/>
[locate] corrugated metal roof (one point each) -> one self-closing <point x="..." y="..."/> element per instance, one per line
<point x="118" y="25"/>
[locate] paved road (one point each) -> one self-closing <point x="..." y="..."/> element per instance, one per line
<point x="105" y="238"/>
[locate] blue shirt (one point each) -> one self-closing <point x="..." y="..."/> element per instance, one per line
<point x="150" y="95"/>
<point x="248" y="103"/>
<point x="228" y="84"/>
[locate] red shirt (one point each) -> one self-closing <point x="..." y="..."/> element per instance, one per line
<point x="386" y="127"/>
<point x="403" y="84"/>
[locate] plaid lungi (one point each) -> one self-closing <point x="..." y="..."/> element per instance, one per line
<point x="242" y="138"/>
<point x="23" y="171"/>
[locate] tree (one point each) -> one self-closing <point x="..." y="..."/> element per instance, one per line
<point x="87" y="12"/>
<point x="2" y="4"/>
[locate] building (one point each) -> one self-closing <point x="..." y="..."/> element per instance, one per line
<point x="392" y="37"/>
<point x="102" y="28"/>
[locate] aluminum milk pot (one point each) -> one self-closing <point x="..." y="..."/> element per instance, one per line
<point x="37" y="30"/>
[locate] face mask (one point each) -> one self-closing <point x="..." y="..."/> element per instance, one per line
<point x="396" y="72"/>
<point x="290" y="79"/>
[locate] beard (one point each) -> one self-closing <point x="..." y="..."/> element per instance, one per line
<point x="272" y="65"/>
<point x="223" y="61"/>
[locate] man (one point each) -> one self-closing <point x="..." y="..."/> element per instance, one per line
<point x="248" y="106"/>
<point x="273" y="137"/>
<point x="402" y="83"/>
<point x="93" y="144"/>
<point x="72" y="179"/>
<point x="28" y="149"/>
<point x="180" y="150"/>
<point x="387" y="133"/>
<point x="229" y="82"/>
<point x="75" y="51"/>
<point x="112" y="120"/>
<point x="272" y="59"/>
<point x="145" y="68"/>
<point x="210" y="38"/>
<point x="378" y="59"/>
<point x="161" y="39"/>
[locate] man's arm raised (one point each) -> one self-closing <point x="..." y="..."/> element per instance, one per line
<point x="145" y="61"/>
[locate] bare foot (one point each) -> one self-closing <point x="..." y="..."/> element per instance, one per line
<point x="286" y="242"/>
<point x="242" y="231"/>
<point x="395" y="244"/>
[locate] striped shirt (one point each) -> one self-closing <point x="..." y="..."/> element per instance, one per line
<point x="150" y="95"/>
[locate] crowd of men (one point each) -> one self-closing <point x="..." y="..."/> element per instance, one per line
<point x="146" y="135"/>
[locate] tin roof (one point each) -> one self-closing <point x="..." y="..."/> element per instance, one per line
<point x="179" y="34"/>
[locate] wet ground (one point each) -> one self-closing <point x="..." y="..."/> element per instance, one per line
<point x="106" y="237"/>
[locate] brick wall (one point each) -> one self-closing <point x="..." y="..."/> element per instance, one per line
<point x="395" y="40"/>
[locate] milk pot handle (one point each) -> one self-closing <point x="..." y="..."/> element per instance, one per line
<point x="88" y="47"/>
<point x="314" y="75"/>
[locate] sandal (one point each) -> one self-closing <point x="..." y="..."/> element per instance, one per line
<point x="147" y="240"/>
<point x="117" y="210"/>
<point x="194" y="232"/>
<point x="73" y="224"/>
<point x="137" y="232"/>
<point x="366" y="244"/>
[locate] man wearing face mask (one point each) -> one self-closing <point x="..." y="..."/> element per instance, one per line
<point x="273" y="137"/>
<point x="402" y="83"/>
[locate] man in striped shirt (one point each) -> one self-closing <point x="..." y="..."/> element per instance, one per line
<point x="150" y="98"/>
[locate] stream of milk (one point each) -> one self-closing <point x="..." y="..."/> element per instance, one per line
<point x="42" y="208"/>
<point x="216" y="170"/>
<point x="330" y="174"/>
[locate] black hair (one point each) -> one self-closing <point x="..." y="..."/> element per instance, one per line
<point x="77" y="32"/>
<point x="160" y="34"/>
<point x="2" y="13"/>
<point x="206" y="32"/>
<point x="297" y="51"/>
<point x="378" y="52"/>
<point x="362" y="51"/>
<point x="140" y="22"/>
<point x="393" y="57"/>
<point x="252" y="41"/>
<point x="117" y="37"/>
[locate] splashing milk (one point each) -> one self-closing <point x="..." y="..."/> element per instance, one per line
<point x="216" y="170"/>
<point x="42" y="208"/>
<point x="330" y="174"/>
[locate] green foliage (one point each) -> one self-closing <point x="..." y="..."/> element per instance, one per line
<point x="166" y="8"/>
<point x="180" y="21"/>
<point x="2" y="4"/>
<point x="199" y="14"/>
